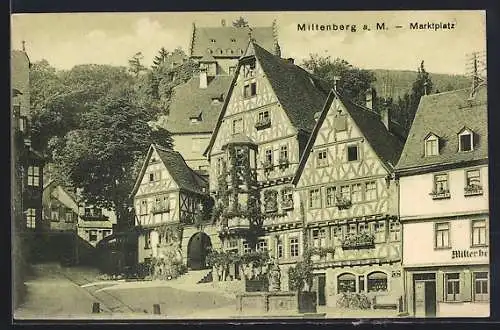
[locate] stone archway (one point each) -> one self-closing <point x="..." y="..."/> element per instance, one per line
<point x="197" y="251"/>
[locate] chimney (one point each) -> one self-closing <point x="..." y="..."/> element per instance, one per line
<point x="369" y="98"/>
<point x="385" y="115"/>
<point x="336" y="80"/>
<point x="203" y="79"/>
<point x="277" y="49"/>
<point x="223" y="22"/>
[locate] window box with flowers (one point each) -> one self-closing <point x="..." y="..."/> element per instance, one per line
<point x="270" y="201"/>
<point x="283" y="162"/>
<point x="287" y="204"/>
<point x="342" y="203"/>
<point x="440" y="194"/>
<point x="359" y="241"/>
<point x="268" y="166"/>
<point x="472" y="190"/>
<point x="160" y="209"/>
<point x="263" y="123"/>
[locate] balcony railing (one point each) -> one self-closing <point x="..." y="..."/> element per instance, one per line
<point x="440" y="194"/>
<point x="359" y="241"/>
<point x="263" y="123"/>
<point x="472" y="190"/>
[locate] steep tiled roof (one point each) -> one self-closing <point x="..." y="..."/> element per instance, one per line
<point x="189" y="100"/>
<point x="445" y="114"/>
<point x="223" y="36"/>
<point x="181" y="173"/>
<point x="384" y="143"/>
<point x="300" y="93"/>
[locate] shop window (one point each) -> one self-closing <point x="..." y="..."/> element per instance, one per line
<point x="346" y="283"/>
<point x="481" y="292"/>
<point x="377" y="282"/>
<point x="479" y="233"/>
<point x="294" y="247"/>
<point x="442" y="235"/>
<point x="452" y="286"/>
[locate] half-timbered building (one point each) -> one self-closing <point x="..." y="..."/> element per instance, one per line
<point x="345" y="180"/>
<point x="255" y="150"/>
<point x="168" y="199"/>
<point x="444" y="206"/>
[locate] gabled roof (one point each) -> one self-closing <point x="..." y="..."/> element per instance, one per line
<point x="386" y="145"/>
<point x="445" y="114"/>
<point x="189" y="100"/>
<point x="300" y="93"/>
<point x="223" y="35"/>
<point x="181" y="173"/>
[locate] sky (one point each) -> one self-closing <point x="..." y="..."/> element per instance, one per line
<point x="69" y="39"/>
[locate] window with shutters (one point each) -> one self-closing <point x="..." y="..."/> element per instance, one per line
<point x="481" y="286"/>
<point x="452" y="287"/>
<point x="442" y="235"/>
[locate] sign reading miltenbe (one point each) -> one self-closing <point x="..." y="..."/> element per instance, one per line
<point x="456" y="254"/>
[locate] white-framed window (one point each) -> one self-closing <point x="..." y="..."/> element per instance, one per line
<point x="34" y="176"/>
<point x="377" y="282"/>
<point x="321" y="158"/>
<point x="337" y="232"/>
<point x="442" y="235"/>
<point x="441" y="183"/>
<point x="319" y="237"/>
<point x="315" y="198"/>
<point x="264" y="116"/>
<point x="356" y="193"/>
<point x="268" y="156"/>
<point x="286" y="198"/>
<point x="346" y="282"/>
<point x="363" y="227"/>
<point x="237" y="125"/>
<point x="466" y="140"/>
<point x="481" y="286"/>
<point x="452" y="286"/>
<point x="246" y="247"/>
<point x="479" y="232"/>
<point x="352" y="153"/>
<point x="330" y="196"/>
<point x="54" y="215"/>
<point x="394" y="230"/>
<point x="143" y="207"/>
<point x="294" y="247"/>
<point x="371" y="191"/>
<point x="31" y="218"/>
<point x="284" y="152"/>
<point x="473" y="178"/>
<point x="379" y="231"/>
<point x="262" y="245"/>
<point x="432" y="145"/>
<point x="345" y="192"/>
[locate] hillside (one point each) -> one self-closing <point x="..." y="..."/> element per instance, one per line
<point x="399" y="82"/>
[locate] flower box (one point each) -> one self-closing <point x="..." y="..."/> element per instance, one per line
<point x="283" y="163"/>
<point x="263" y="123"/>
<point x="472" y="190"/>
<point x="160" y="209"/>
<point x="441" y="194"/>
<point x="287" y="204"/>
<point x="268" y="166"/>
<point x="360" y="241"/>
<point x="343" y="203"/>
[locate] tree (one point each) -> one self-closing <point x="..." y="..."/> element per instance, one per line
<point x="103" y="155"/>
<point x="353" y="83"/>
<point x="240" y="22"/>
<point x="135" y="65"/>
<point x="161" y="58"/>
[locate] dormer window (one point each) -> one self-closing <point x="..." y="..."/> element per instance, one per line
<point x="432" y="145"/>
<point x="465" y="140"/>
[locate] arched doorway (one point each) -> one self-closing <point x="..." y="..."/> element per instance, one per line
<point x="198" y="247"/>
